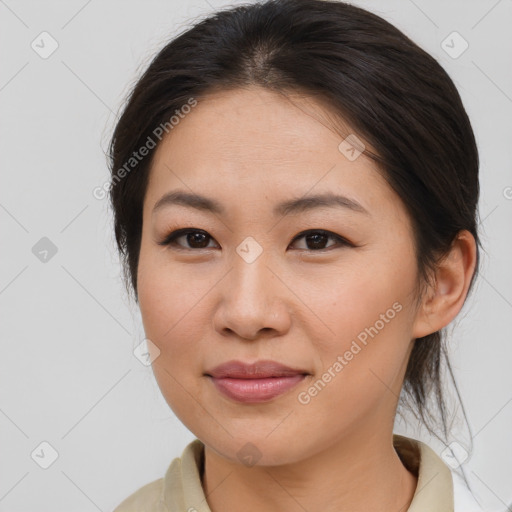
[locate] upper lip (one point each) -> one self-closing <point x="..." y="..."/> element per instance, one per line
<point x="257" y="370"/>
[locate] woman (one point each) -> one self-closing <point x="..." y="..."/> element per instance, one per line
<point x="294" y="187"/>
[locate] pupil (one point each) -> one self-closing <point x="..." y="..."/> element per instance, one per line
<point x="317" y="239"/>
<point x="193" y="238"/>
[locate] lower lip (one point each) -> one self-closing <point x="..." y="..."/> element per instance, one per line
<point x="256" y="390"/>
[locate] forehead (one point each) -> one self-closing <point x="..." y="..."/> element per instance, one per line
<point x="241" y="145"/>
<point x="237" y="125"/>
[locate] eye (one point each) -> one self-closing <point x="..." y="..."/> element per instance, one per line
<point x="198" y="239"/>
<point x="317" y="238"/>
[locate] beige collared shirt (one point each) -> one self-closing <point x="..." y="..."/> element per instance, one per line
<point x="181" y="490"/>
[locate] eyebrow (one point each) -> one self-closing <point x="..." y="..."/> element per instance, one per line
<point x="291" y="206"/>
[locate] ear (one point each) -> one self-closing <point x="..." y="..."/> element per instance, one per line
<point x="445" y="297"/>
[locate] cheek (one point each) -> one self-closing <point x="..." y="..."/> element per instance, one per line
<point x="360" y="370"/>
<point x="171" y="309"/>
<point x="354" y="300"/>
<point x="167" y="294"/>
<point x="370" y="316"/>
<point x="174" y="306"/>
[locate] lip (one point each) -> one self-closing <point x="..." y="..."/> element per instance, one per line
<point x="257" y="370"/>
<point x="254" y="382"/>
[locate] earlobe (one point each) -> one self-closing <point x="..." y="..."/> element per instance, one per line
<point x="445" y="297"/>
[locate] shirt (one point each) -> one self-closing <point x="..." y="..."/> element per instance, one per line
<point x="180" y="490"/>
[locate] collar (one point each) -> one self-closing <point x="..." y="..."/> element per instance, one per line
<point x="182" y="489"/>
<point x="434" y="490"/>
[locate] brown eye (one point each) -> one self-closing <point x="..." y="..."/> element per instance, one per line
<point x="195" y="238"/>
<point x="316" y="240"/>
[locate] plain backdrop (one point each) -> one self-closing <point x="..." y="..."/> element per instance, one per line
<point x="69" y="378"/>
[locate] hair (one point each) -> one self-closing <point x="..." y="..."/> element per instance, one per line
<point x="392" y="94"/>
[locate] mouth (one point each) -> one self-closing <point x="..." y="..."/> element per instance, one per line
<point x="254" y="382"/>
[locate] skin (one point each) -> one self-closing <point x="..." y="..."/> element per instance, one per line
<point x="251" y="149"/>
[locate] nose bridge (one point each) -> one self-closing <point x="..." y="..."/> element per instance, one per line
<point x="251" y="295"/>
<point x="250" y="277"/>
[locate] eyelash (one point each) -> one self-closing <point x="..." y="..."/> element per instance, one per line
<point x="170" y="240"/>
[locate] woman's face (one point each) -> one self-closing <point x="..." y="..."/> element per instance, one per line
<point x="247" y="285"/>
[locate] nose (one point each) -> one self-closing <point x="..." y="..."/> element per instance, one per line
<point x="253" y="302"/>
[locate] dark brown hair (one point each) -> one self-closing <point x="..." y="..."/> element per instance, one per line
<point x="393" y="94"/>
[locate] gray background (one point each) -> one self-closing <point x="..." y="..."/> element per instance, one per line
<point x="68" y="373"/>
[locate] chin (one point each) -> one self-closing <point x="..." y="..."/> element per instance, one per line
<point x="252" y="450"/>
